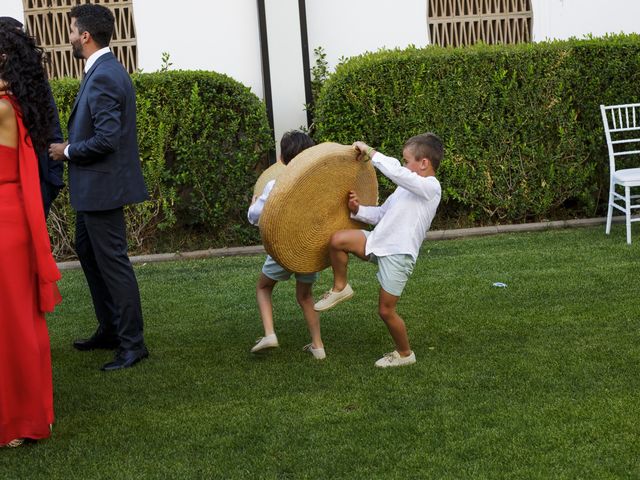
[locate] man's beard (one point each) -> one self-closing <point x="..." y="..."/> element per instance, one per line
<point x="77" y="51"/>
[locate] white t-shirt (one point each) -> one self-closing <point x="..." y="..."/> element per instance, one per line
<point x="402" y="222"/>
<point x="255" y="210"/>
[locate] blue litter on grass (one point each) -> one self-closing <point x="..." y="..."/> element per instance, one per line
<point x="500" y="285"/>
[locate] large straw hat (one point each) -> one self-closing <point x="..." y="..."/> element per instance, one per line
<point x="309" y="202"/>
<point x="265" y="177"/>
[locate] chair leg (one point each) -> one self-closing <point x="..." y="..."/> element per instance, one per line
<point x="627" y="211"/>
<point x="610" y="208"/>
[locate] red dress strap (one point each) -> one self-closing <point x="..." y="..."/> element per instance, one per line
<point x="47" y="270"/>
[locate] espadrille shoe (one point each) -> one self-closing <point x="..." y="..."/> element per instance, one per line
<point x="394" y="359"/>
<point x="318" y="353"/>
<point x="331" y="298"/>
<point x="270" y="341"/>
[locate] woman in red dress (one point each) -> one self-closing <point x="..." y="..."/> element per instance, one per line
<point x="28" y="272"/>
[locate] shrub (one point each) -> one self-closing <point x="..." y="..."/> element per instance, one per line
<point x="203" y="138"/>
<point x="521" y="126"/>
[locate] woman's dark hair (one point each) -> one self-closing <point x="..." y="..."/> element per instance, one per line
<point x="11" y="22"/>
<point x="292" y="143"/>
<point x="95" y="19"/>
<point x="22" y="67"/>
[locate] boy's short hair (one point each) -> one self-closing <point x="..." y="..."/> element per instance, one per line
<point x="292" y="143"/>
<point x="98" y="20"/>
<point x="427" y="145"/>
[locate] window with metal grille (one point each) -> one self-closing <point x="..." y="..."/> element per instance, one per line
<point x="48" y="21"/>
<point x="465" y="22"/>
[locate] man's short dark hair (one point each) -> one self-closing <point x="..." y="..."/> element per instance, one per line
<point x="292" y="143"/>
<point x="427" y="145"/>
<point x="95" y="19"/>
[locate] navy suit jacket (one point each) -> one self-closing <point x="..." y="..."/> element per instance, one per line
<point x="104" y="164"/>
<point x="51" y="172"/>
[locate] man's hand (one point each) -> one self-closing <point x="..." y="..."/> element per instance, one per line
<point x="56" y="151"/>
<point x="354" y="202"/>
<point x="365" y="152"/>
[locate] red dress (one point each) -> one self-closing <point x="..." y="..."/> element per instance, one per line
<point x="27" y="289"/>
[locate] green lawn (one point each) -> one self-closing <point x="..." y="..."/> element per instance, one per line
<point x="537" y="380"/>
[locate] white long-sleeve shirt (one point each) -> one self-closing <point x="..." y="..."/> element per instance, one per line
<point x="255" y="210"/>
<point x="403" y="220"/>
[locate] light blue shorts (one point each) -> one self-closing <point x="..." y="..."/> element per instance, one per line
<point x="393" y="270"/>
<point x="274" y="271"/>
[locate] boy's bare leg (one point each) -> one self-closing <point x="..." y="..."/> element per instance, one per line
<point x="305" y="299"/>
<point x="264" y="290"/>
<point x="387" y="310"/>
<point x="344" y="242"/>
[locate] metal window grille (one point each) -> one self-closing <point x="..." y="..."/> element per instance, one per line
<point x="465" y="22"/>
<point x="48" y="21"/>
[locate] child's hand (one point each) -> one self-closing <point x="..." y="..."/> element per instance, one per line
<point x="365" y="152"/>
<point x="354" y="202"/>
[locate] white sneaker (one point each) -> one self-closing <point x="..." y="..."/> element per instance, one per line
<point x="318" y="353"/>
<point x="331" y="298"/>
<point x="270" y="341"/>
<point x="394" y="359"/>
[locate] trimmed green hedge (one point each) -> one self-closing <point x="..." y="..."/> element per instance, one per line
<point x="521" y="124"/>
<point x="203" y="140"/>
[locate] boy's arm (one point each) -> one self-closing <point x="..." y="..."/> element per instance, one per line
<point x="255" y="210"/>
<point x="394" y="171"/>
<point x="370" y="214"/>
<point x="405" y="178"/>
<point x="367" y="214"/>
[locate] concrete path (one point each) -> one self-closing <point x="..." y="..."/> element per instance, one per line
<point x="432" y="235"/>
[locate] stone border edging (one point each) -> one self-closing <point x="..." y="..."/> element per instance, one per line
<point x="432" y="235"/>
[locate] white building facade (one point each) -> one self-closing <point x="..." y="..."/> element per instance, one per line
<point x="268" y="44"/>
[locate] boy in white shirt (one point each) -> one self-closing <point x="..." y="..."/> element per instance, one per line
<point x="401" y="224"/>
<point x="291" y="144"/>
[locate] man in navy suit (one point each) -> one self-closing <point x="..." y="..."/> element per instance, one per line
<point x="50" y="171"/>
<point x="104" y="175"/>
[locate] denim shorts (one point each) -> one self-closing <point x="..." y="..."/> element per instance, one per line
<point x="274" y="271"/>
<point x="393" y="270"/>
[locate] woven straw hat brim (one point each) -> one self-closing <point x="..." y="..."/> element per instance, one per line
<point x="309" y="203"/>
<point x="265" y="177"/>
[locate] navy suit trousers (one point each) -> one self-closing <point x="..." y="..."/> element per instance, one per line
<point x="101" y="245"/>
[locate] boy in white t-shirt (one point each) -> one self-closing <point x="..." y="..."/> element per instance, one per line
<point x="401" y="224"/>
<point x="291" y="144"/>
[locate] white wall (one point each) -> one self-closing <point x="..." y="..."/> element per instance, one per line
<point x="219" y="35"/>
<point x="345" y="28"/>
<point x="223" y="35"/>
<point x="12" y="8"/>
<point x="201" y="35"/>
<point x="562" y="19"/>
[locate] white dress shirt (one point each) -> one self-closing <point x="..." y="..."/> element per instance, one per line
<point x="255" y="210"/>
<point x="402" y="222"/>
<point x="95" y="56"/>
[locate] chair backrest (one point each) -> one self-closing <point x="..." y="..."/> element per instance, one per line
<point x="622" y="129"/>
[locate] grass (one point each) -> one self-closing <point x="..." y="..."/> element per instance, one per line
<point x="536" y="380"/>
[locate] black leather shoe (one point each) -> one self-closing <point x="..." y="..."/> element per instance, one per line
<point x="126" y="359"/>
<point x="96" y="342"/>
